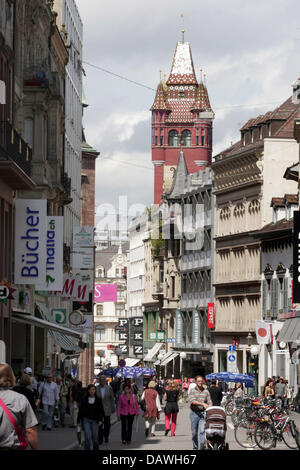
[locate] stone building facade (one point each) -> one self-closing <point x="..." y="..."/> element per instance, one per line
<point x="244" y="185"/>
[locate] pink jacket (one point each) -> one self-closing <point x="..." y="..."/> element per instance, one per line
<point x="125" y="409"/>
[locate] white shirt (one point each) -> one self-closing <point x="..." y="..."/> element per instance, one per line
<point x="49" y="393"/>
<point x="191" y="387"/>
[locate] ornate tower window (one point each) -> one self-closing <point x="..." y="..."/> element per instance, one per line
<point x="173" y="138"/>
<point x="186" y="138"/>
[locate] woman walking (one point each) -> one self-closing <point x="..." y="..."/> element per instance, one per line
<point x="17" y="419"/>
<point x="269" y="389"/>
<point x="128" y="408"/>
<point x="91" y="415"/>
<point x="171" y="408"/>
<point x="153" y="407"/>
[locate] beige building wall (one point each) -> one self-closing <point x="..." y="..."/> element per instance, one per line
<point x="279" y="154"/>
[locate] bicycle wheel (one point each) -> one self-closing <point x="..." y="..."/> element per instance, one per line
<point x="229" y="408"/>
<point x="264" y="437"/>
<point x="244" y="434"/>
<point x="289" y="435"/>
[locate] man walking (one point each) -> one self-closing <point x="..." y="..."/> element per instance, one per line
<point x="215" y="393"/>
<point x="49" y="397"/>
<point x="62" y="404"/>
<point x="280" y="390"/>
<point x="106" y="394"/>
<point x="200" y="400"/>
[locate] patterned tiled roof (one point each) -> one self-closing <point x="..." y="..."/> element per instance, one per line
<point x="180" y="111"/>
<point x="182" y="71"/>
<point x="202" y="99"/>
<point x="160" y="99"/>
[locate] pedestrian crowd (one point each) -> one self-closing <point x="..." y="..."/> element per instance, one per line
<point x="27" y="402"/>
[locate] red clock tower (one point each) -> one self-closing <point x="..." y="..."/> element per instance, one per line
<point x="181" y="117"/>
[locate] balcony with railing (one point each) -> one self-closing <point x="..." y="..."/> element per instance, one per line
<point x="15" y="158"/>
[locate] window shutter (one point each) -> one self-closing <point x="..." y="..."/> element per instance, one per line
<point x="264" y="298"/>
<point x="286" y="294"/>
<point x="274" y="299"/>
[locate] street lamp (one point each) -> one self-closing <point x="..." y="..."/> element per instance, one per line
<point x="249" y="339"/>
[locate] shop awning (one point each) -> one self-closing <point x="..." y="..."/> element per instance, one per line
<point x="131" y="362"/>
<point x="150" y="354"/>
<point x="290" y="330"/>
<point x="68" y="343"/>
<point x="169" y="357"/>
<point x="31" y="320"/>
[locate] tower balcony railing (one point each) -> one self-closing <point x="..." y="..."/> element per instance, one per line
<point x="15" y="148"/>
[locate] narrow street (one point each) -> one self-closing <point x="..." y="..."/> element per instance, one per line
<point x="65" y="438"/>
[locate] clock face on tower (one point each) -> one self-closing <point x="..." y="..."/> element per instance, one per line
<point x="76" y="318"/>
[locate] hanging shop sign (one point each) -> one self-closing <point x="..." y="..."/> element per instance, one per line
<point x="83" y="258"/>
<point x="105" y="293"/>
<point x="30" y="241"/>
<point x="196" y="328"/>
<point x="6" y="292"/>
<point x="264" y="333"/>
<point x="59" y="315"/>
<point x="54" y="255"/>
<point x="73" y="288"/>
<point x="296" y="258"/>
<point x="179" y="329"/>
<point x="83" y="237"/>
<point x="210" y="315"/>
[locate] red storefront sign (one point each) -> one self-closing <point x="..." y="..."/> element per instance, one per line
<point x="210" y="315"/>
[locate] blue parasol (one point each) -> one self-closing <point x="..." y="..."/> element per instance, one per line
<point x="247" y="379"/>
<point x="127" y="372"/>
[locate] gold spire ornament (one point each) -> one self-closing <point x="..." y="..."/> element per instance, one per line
<point x="183" y="30"/>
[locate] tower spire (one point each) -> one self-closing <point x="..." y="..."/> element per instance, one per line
<point x="183" y="30"/>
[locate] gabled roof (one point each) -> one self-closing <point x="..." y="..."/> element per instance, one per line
<point x="182" y="70"/>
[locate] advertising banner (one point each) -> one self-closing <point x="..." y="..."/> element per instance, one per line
<point x="30" y="241"/>
<point x="73" y="288"/>
<point x="210" y="315"/>
<point x="296" y="258"/>
<point x="196" y="328"/>
<point x="263" y="332"/>
<point x="54" y="255"/>
<point x="105" y="293"/>
<point x="83" y="258"/>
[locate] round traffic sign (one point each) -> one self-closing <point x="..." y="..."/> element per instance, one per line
<point x="122" y="363"/>
<point x="231" y="358"/>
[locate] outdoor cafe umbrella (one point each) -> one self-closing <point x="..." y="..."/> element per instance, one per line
<point x="247" y="379"/>
<point x="127" y="372"/>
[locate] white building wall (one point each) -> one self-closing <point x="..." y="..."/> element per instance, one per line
<point x="68" y="14"/>
<point x="279" y="154"/>
<point x="136" y="267"/>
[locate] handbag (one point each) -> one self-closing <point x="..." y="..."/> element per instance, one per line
<point x="143" y="404"/>
<point x="20" y="434"/>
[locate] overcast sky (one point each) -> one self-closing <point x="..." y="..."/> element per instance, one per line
<point x="249" y="49"/>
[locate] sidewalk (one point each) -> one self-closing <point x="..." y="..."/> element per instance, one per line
<point x="61" y="438"/>
<point x="66" y="438"/>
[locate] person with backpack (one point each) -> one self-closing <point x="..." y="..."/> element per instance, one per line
<point x="17" y="419"/>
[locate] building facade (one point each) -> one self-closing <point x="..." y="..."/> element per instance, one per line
<point x="244" y="176"/>
<point x="110" y="269"/>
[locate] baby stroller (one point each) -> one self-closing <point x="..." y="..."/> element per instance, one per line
<point x="215" y="428"/>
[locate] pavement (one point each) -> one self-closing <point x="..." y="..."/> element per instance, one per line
<point x="66" y="438"/>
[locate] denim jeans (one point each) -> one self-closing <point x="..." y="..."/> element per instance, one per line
<point x="197" y="421"/>
<point x="48" y="411"/>
<point x="90" y="428"/>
